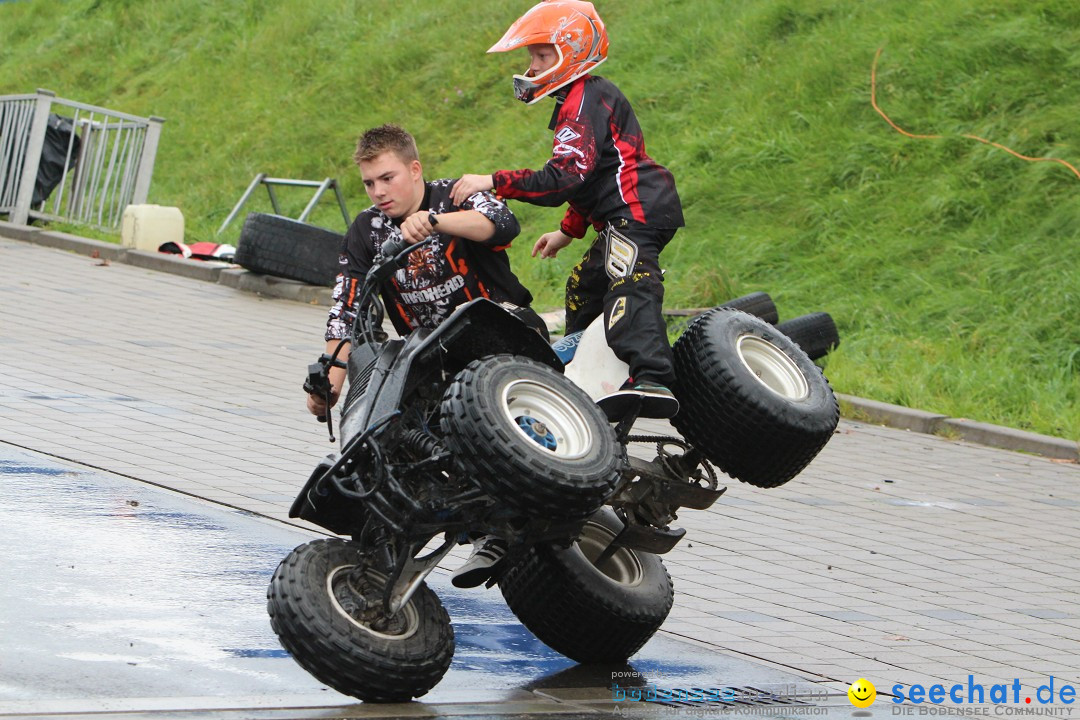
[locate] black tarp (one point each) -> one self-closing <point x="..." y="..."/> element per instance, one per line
<point x="58" y="136"/>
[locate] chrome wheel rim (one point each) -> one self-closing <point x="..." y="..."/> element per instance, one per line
<point x="343" y="594"/>
<point x="772" y="368"/>
<point x="547" y="419"/>
<point x="623" y="566"/>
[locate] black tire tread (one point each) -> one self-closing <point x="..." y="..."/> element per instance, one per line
<point x="561" y="600"/>
<point x="283" y="247"/>
<point x="815" y="333"/>
<point x="734" y="421"/>
<point x="759" y="304"/>
<point x="330" y="648"/>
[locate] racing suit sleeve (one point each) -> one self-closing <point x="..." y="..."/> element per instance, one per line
<point x="573" y="156"/>
<point x="574" y="223"/>
<point x="355" y="260"/>
<point x="495" y="210"/>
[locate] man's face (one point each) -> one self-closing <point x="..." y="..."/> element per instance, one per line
<point x="541" y="59"/>
<point x="394" y="186"/>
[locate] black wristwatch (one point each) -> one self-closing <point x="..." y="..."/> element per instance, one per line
<point x="432" y="218"/>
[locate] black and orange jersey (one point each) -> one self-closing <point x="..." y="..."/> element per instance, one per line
<point x="598" y="165"/>
<point x="438" y="278"/>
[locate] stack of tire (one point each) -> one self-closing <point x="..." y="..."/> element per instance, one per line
<point x="287" y="248"/>
<point x="815" y="333"/>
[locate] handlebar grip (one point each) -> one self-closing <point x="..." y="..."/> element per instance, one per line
<point x="391" y="248"/>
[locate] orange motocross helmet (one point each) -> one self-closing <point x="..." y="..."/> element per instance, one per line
<point x="576" y="31"/>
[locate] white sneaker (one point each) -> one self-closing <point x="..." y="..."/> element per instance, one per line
<point x="487" y="552"/>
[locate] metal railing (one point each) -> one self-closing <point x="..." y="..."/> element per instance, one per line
<point x="102" y="160"/>
<point x="321" y="186"/>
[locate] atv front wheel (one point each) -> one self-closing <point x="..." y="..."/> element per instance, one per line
<point x="531" y="438"/>
<point x="328" y="615"/>
<point x="588" y="609"/>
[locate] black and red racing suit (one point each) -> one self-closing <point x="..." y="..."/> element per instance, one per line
<point x="599" y="166"/>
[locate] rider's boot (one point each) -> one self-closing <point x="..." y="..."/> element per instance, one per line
<point x="488" y="551"/>
<point x="651" y="400"/>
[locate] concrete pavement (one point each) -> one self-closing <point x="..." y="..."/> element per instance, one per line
<point x="896" y="556"/>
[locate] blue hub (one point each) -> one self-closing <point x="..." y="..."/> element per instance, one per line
<point x="538" y="431"/>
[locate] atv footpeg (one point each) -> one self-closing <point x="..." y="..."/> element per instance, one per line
<point x="692" y="495"/>
<point x="649" y="539"/>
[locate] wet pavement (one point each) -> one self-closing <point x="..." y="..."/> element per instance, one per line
<point x="902" y="558"/>
<point x="117" y="589"/>
<point x="126" y="597"/>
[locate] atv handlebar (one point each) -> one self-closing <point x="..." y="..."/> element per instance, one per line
<point x="368" y="319"/>
<point x="392" y="257"/>
<point x="393" y="252"/>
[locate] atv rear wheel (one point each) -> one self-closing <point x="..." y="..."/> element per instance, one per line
<point x="531" y="438"/>
<point x="587" y="611"/>
<point x="750" y="399"/>
<point x="317" y="600"/>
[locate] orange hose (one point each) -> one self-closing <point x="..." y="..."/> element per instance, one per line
<point x="873" y="101"/>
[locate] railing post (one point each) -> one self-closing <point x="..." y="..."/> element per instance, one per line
<point x="146" y="162"/>
<point x="315" y="200"/>
<point x="341" y="204"/>
<point x="36" y="141"/>
<point x="244" y="198"/>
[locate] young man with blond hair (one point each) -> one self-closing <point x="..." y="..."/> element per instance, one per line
<point x="467" y="259"/>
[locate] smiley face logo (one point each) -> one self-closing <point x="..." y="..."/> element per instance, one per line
<point x="862" y="693"/>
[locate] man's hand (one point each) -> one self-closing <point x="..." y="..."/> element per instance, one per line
<point x="316" y="404"/>
<point x="549" y="244"/>
<point x="469" y="185"/>
<point x="416" y="227"/>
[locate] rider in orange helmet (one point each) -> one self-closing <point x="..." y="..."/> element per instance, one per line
<point x="600" y="168"/>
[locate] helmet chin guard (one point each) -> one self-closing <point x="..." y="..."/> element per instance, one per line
<point x="525" y="89"/>
<point x="576" y="31"/>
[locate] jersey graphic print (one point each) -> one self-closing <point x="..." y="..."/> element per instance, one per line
<point x="428" y="282"/>
<point x="567" y="134"/>
<point x="436" y="278"/>
<point x="574" y="149"/>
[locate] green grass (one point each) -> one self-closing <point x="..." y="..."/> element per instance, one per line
<point x="951" y="267"/>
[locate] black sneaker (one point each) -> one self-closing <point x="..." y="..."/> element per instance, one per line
<point x="650" y="400"/>
<point x="487" y="552"/>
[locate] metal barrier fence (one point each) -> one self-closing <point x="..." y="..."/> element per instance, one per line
<point x="320" y="188"/>
<point x="68" y="161"/>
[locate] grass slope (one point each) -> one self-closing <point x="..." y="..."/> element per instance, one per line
<point x="950" y="266"/>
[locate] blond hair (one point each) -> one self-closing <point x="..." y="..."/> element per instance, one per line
<point x="385" y="138"/>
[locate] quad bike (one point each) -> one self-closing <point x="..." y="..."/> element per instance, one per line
<point x="481" y="427"/>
